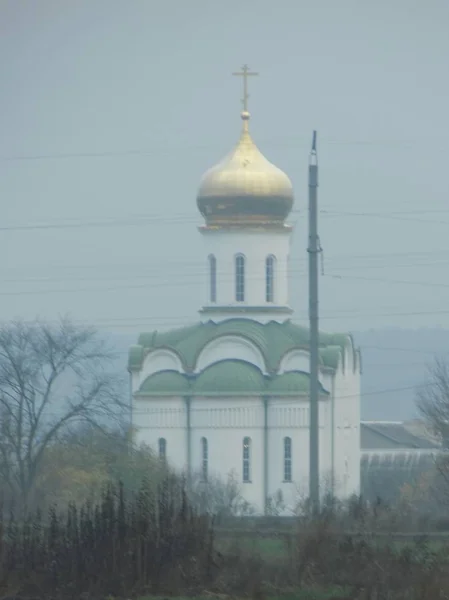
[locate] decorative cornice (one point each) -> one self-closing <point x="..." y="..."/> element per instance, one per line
<point x="247" y="227"/>
<point x="246" y="309"/>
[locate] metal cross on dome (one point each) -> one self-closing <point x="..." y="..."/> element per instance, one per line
<point x="245" y="73"/>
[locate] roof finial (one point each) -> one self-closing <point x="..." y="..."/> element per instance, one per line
<point x="245" y="73"/>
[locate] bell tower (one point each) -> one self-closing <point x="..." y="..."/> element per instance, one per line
<point x="245" y="201"/>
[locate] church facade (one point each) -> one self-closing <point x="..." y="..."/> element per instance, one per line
<point x="230" y="393"/>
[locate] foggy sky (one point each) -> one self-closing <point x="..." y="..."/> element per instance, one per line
<point x="111" y="110"/>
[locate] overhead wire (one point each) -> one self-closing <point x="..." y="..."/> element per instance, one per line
<point x="197" y="269"/>
<point x="294" y="401"/>
<point x="279" y="403"/>
<point x="188" y="278"/>
<point x="292" y="141"/>
<point x="165" y="321"/>
<point x="182" y="218"/>
<point x="145" y="220"/>
<point x="414" y="256"/>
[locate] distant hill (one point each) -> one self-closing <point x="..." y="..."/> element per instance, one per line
<point x="394" y="361"/>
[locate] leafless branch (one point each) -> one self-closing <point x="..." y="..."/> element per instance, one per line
<point x="433" y="400"/>
<point x="50" y="378"/>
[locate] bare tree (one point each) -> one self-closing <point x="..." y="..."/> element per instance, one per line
<point x="275" y="504"/>
<point x="218" y="497"/>
<point x="51" y="378"/>
<point x="433" y="401"/>
<point x="433" y="404"/>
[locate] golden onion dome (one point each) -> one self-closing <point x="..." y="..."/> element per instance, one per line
<point x="245" y="188"/>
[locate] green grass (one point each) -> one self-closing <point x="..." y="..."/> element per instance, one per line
<point x="266" y="548"/>
<point x="269" y="548"/>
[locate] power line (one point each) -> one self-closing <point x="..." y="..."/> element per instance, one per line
<point x="293" y="141"/>
<point x="279" y="403"/>
<point x="389" y="281"/>
<point x="295" y="401"/>
<point x="114" y="323"/>
<point x="196" y="268"/>
<point x="327" y="317"/>
<point x="188" y="277"/>
<point x="413" y="255"/>
<point x="392" y="216"/>
<point x="142" y="221"/>
<point x="182" y="218"/>
<point x="401" y="349"/>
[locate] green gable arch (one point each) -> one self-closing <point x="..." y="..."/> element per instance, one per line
<point x="229" y="377"/>
<point x="273" y="339"/>
<point x="165" y="383"/>
<point x="291" y="383"/>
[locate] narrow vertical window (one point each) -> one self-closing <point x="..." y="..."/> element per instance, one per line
<point x="269" y="278"/>
<point x="213" y="278"/>
<point x="287" y="459"/>
<point x="246" y="459"/>
<point x="204" y="459"/>
<point x="162" y="448"/>
<point x="240" y="278"/>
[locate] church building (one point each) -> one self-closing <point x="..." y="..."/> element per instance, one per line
<point x="230" y="392"/>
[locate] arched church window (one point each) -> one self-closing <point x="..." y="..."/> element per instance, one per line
<point x="246" y="460"/>
<point x="269" y="278"/>
<point x="204" y="459"/>
<point x="213" y="277"/>
<point x="162" y="448"/>
<point x="287" y="459"/>
<point x="240" y="278"/>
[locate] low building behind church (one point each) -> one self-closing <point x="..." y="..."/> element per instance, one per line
<point x="395" y="455"/>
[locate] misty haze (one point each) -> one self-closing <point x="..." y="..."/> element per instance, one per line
<point x="194" y="371"/>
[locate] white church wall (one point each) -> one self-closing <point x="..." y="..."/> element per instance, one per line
<point x="255" y="245"/>
<point x="156" y="418"/>
<point x="325" y="444"/>
<point x="135" y="381"/>
<point x="290" y="418"/>
<point x="232" y="348"/>
<point x="347" y="427"/>
<point x="225" y="422"/>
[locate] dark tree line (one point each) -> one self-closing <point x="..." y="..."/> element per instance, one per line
<point x="152" y="543"/>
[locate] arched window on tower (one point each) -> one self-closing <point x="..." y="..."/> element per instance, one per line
<point x="162" y="443"/>
<point x="240" y="278"/>
<point x="204" y="459"/>
<point x="213" y="278"/>
<point x="246" y="460"/>
<point x="270" y="262"/>
<point x="287" y="459"/>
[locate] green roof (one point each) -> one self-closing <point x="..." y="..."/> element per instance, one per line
<point x="136" y="356"/>
<point x="273" y="340"/>
<point x="226" y="378"/>
<point x="230" y="376"/>
<point x="289" y="383"/>
<point x="167" y="382"/>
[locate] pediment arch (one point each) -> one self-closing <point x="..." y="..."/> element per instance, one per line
<point x="298" y="360"/>
<point x="161" y="359"/>
<point x="230" y="347"/>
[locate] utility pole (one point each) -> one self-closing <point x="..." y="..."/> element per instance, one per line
<point x="314" y="249"/>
